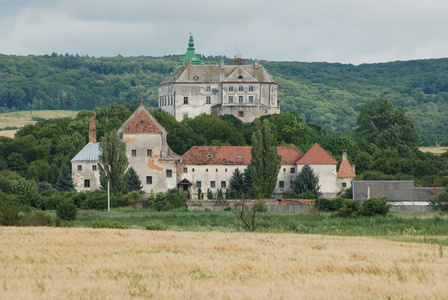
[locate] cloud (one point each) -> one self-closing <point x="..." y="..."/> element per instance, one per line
<point x="348" y="31"/>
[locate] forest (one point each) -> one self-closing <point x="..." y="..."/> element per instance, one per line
<point x="326" y="94"/>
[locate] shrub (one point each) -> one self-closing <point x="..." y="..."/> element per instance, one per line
<point x="98" y="200"/>
<point x="329" y="205"/>
<point x="9" y="212"/>
<point x="66" y="210"/>
<point x="129" y="198"/>
<point x="307" y="195"/>
<point x="173" y="198"/>
<point x="440" y="201"/>
<point x="290" y="195"/>
<point x="35" y="217"/>
<point x="108" y="224"/>
<point x="155" y="225"/>
<point x="375" y="206"/>
<point x="349" y="208"/>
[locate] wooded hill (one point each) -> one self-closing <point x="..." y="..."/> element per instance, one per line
<point x="327" y="94"/>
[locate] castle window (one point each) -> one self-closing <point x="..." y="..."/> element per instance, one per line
<point x="148" y="152"/>
<point x="169" y="173"/>
<point x="148" y="179"/>
<point x="86" y="183"/>
<point x="185" y="100"/>
<point x="241" y="88"/>
<point x="198" y="184"/>
<point x="185" y="115"/>
<point x="251" y="99"/>
<point x="93" y="167"/>
<point x="208" y="100"/>
<point x="207" y="88"/>
<point x="230" y="99"/>
<point x="231" y="88"/>
<point x="293" y="170"/>
<point x="223" y="184"/>
<point x="281" y="184"/>
<point x="79" y="167"/>
<point x="240" y="77"/>
<point x="134" y="152"/>
<point x="251" y="88"/>
<point x="185" y="170"/>
<point x="240" y="99"/>
<point x="212" y="184"/>
<point x="344" y="185"/>
<point x="241" y="114"/>
<point x="192" y="169"/>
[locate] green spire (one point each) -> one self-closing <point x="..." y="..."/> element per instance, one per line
<point x="191" y="55"/>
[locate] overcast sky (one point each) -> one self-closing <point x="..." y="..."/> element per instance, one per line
<point x="346" y="31"/>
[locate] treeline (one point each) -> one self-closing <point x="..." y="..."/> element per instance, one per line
<point x="383" y="147"/>
<point x="325" y="94"/>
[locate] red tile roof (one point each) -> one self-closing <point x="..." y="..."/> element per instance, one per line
<point x="141" y="123"/>
<point x="316" y="155"/>
<point x="233" y="155"/>
<point x="346" y="170"/>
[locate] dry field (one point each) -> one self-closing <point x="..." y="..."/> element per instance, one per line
<point x="78" y="263"/>
<point x="22" y="118"/>
<point x="435" y="150"/>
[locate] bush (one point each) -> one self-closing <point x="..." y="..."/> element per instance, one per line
<point x="290" y="195"/>
<point x="307" y="195"/>
<point x="98" y="200"/>
<point x="66" y="210"/>
<point x="108" y="224"/>
<point x="375" y="206"/>
<point x="155" y="225"/>
<point x="349" y="208"/>
<point x="129" y="198"/>
<point x="9" y="212"/>
<point x="35" y="217"/>
<point x="329" y="205"/>
<point x="169" y="200"/>
<point x="440" y="201"/>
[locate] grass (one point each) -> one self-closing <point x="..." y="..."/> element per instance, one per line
<point x="86" y="263"/>
<point x="21" y="118"/>
<point x="397" y="224"/>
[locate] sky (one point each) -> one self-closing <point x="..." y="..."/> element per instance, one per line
<point x="344" y="31"/>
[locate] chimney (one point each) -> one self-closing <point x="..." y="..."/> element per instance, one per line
<point x="344" y="154"/>
<point x="256" y="64"/>
<point x="221" y="65"/>
<point x="92" y="128"/>
<point x="354" y="168"/>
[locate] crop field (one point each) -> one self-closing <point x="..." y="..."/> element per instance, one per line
<point x="435" y="150"/>
<point x="22" y="118"/>
<point x="86" y="263"/>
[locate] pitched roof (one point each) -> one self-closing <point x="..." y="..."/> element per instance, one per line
<point x="90" y="152"/>
<point x="233" y="155"/>
<point x="316" y="155"/>
<point x="346" y="170"/>
<point x="141" y="121"/>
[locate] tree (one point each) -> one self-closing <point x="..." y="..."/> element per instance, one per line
<point x="236" y="184"/>
<point x="113" y="163"/>
<point x="133" y="181"/>
<point x="65" y="181"/>
<point x="306" y="181"/>
<point x="265" y="161"/>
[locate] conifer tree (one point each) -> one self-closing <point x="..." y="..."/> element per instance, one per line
<point x="248" y="180"/>
<point x="65" y="180"/>
<point x="133" y="181"/>
<point x="236" y="184"/>
<point x="306" y="181"/>
<point x="265" y="159"/>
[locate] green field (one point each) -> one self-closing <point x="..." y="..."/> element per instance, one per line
<point x="395" y="225"/>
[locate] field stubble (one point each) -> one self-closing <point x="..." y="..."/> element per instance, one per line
<point x="82" y="263"/>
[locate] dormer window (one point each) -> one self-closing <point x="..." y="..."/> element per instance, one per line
<point x="195" y="77"/>
<point x="240" y="77"/>
<point x="239" y="156"/>
<point x="209" y="155"/>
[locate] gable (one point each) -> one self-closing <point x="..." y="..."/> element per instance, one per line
<point x="240" y="75"/>
<point x="141" y="121"/>
<point x="346" y="170"/>
<point x="316" y="155"/>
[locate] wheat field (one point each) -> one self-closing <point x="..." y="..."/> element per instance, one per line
<point x="81" y="263"/>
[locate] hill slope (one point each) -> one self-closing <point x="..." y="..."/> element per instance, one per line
<point x="322" y="93"/>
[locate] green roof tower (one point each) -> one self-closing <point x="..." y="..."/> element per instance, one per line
<point x="191" y="55"/>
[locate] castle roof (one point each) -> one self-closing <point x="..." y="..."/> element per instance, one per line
<point x="90" y="152"/>
<point x="233" y="155"/>
<point x="190" y="55"/>
<point x="316" y="155"/>
<point x="141" y="121"/>
<point x="346" y="170"/>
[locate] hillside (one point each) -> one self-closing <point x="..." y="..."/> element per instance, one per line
<point x="322" y="93"/>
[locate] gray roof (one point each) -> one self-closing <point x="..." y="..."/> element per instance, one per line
<point x="216" y="74"/>
<point x="90" y="152"/>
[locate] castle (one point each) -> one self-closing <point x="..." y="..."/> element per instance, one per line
<point x="193" y="88"/>
<point x="245" y="91"/>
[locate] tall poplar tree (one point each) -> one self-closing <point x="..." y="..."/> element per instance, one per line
<point x="265" y="159"/>
<point x="113" y="163"/>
